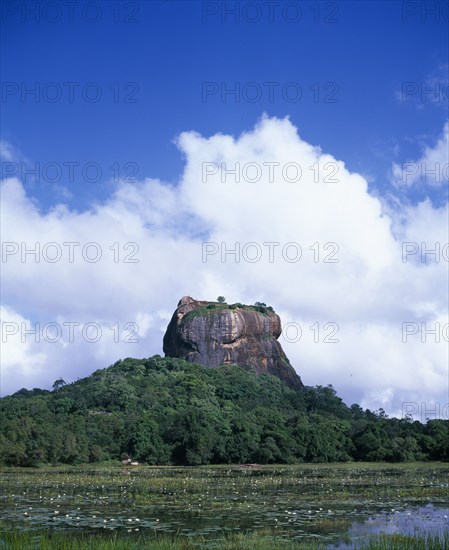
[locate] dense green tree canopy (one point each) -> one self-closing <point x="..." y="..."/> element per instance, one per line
<point x="168" y="411"/>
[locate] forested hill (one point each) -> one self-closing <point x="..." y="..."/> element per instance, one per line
<point x="169" y="411"/>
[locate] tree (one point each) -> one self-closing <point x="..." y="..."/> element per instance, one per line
<point x="169" y="411"/>
<point x="58" y="384"/>
<point x="221" y="299"/>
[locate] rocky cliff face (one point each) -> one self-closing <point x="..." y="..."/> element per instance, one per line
<point x="213" y="334"/>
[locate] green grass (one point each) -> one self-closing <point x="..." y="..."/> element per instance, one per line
<point x="19" y="540"/>
<point x="215" y="307"/>
<point x="402" y="542"/>
<point x="60" y="541"/>
<point x="202" y="311"/>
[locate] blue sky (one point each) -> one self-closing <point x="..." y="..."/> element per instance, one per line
<point x="350" y="76"/>
<point x="367" y="49"/>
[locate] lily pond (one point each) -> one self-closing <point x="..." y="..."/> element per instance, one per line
<point x="336" y="506"/>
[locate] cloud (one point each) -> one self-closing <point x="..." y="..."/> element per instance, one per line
<point x="432" y="90"/>
<point x="19" y="361"/>
<point x="264" y="216"/>
<point x="8" y="153"/>
<point x="431" y="169"/>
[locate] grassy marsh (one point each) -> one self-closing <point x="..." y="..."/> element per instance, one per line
<point x="239" y="506"/>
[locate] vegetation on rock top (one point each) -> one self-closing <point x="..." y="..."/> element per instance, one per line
<point x="216" y="307"/>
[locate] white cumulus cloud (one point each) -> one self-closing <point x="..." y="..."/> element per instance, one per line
<point x="264" y="216"/>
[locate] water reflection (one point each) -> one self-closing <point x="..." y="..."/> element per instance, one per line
<point x="427" y="520"/>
